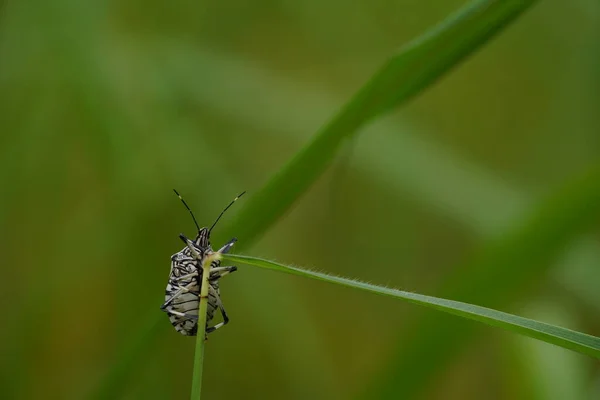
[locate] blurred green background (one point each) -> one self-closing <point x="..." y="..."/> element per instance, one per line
<point x="106" y="106"/>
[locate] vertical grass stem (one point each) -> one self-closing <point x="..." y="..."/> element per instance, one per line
<point x="200" y="338"/>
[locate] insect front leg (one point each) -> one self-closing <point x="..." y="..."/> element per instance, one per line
<point x="190" y="246"/>
<point x="225" y="249"/>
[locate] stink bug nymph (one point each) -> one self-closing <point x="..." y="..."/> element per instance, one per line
<point x="182" y="294"/>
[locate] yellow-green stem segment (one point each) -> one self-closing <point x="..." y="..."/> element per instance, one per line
<point x="200" y="338"/>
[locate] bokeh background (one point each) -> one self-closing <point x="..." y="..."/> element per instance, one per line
<point x="106" y="106"/>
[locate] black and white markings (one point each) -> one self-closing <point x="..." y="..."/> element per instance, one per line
<point x="182" y="294"/>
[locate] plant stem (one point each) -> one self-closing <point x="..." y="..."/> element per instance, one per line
<point x="201" y="335"/>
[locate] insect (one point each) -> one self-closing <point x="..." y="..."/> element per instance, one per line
<point x="182" y="294"/>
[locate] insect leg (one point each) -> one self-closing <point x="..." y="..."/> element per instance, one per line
<point x="188" y="316"/>
<point x="188" y="276"/>
<point x="219" y="272"/>
<point x="190" y="246"/>
<point x="166" y="307"/>
<point x="225" y="249"/>
<point x="210" y="329"/>
<point x="177" y="293"/>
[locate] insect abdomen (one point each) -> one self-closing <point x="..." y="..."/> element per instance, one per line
<point x="187" y="303"/>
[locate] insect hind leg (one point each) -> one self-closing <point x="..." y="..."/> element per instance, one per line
<point x="225" y="321"/>
<point x="169" y="310"/>
<point x="180" y="289"/>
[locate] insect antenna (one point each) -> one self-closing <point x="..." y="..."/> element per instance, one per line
<point x="226" y="208"/>
<point x="188" y="208"/>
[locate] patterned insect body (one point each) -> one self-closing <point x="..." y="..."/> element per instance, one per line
<point x="182" y="295"/>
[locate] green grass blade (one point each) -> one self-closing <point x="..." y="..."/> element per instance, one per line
<point x="404" y="75"/>
<point x="428" y="57"/>
<point x="576" y="341"/>
<point x="200" y="338"/>
<point x="509" y="265"/>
